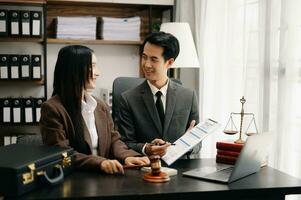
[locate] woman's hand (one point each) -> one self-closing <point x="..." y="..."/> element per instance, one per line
<point x="111" y="167"/>
<point x="129" y="161"/>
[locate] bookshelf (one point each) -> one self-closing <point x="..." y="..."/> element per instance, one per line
<point x="98" y="42"/>
<point x="35" y="82"/>
<point x="150" y="12"/>
<point x="150" y="15"/>
<point x="24" y="45"/>
<point x="22" y="2"/>
<point x="31" y="40"/>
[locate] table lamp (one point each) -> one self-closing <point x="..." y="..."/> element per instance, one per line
<point x="187" y="57"/>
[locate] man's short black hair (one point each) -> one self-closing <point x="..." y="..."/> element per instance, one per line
<point x="167" y="41"/>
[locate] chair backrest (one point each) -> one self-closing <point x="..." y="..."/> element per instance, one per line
<point x="120" y="85"/>
<point x="30" y="139"/>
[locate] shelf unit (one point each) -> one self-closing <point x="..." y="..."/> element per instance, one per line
<point x="41" y="82"/>
<point x="23" y="3"/>
<point x="31" y="40"/>
<point x="150" y="12"/>
<point x="98" y="42"/>
<point x="150" y="15"/>
<point x="24" y="45"/>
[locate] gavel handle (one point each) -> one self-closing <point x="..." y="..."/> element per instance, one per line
<point x="134" y="166"/>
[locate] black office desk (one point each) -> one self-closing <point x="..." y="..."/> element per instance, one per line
<point x="266" y="184"/>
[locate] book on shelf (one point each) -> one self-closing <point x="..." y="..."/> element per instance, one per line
<point x="226" y="159"/>
<point x="229" y="146"/>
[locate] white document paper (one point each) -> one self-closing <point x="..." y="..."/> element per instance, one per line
<point x="190" y="139"/>
<point x="15" y="28"/>
<point x="36" y="27"/>
<point x="3" y="72"/>
<point x="37" y="72"/>
<point x="28" y="115"/>
<point x="25" y="28"/>
<point x="25" y="71"/>
<point x="38" y="114"/>
<point x="15" y="72"/>
<point x="13" y="140"/>
<point x="2" y="26"/>
<point x="17" y="115"/>
<point x="6" y="114"/>
<point x="7" y="140"/>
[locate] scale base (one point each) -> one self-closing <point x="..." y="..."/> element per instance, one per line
<point x="239" y="141"/>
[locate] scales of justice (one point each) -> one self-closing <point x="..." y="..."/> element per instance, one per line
<point x="231" y="129"/>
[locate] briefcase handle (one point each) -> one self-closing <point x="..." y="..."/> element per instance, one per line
<point x="53" y="181"/>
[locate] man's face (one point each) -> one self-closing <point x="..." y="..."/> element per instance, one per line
<point x="153" y="64"/>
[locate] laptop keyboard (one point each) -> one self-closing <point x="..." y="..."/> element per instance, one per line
<point x="223" y="174"/>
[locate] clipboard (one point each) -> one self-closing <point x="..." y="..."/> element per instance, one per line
<point x="190" y="139"/>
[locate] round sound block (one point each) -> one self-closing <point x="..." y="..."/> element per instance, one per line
<point x="160" y="178"/>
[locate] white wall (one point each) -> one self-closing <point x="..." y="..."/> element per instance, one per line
<point x="190" y="78"/>
<point x="113" y="61"/>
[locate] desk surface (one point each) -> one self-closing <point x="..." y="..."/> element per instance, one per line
<point x="265" y="184"/>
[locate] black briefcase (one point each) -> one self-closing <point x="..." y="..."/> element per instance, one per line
<point x="26" y="167"/>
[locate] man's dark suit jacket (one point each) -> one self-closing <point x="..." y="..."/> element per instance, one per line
<point x="57" y="128"/>
<point x="139" y="119"/>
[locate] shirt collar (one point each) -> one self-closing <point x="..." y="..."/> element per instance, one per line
<point x="90" y="103"/>
<point x="155" y="90"/>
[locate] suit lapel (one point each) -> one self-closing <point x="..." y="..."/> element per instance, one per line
<point x="170" y="104"/>
<point x="150" y="106"/>
<point x="87" y="136"/>
<point x="101" y="130"/>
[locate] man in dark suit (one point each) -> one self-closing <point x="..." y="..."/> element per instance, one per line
<point x="159" y="111"/>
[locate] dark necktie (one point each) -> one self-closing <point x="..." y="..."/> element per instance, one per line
<point x="159" y="106"/>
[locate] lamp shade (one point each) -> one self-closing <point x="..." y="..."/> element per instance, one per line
<point x="187" y="57"/>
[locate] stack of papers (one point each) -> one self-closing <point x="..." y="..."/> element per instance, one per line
<point x="76" y="28"/>
<point x="120" y="28"/>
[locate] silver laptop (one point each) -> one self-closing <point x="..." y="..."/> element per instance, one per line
<point x="248" y="162"/>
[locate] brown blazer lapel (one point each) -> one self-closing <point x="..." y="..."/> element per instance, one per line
<point x="102" y="129"/>
<point x="87" y="136"/>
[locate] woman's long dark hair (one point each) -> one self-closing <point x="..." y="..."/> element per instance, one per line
<point x="73" y="68"/>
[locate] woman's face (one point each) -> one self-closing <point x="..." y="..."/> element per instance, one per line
<point x="91" y="83"/>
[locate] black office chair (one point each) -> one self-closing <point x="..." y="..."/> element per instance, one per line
<point x="122" y="84"/>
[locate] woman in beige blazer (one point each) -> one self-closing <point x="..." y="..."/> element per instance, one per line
<point x="73" y="118"/>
